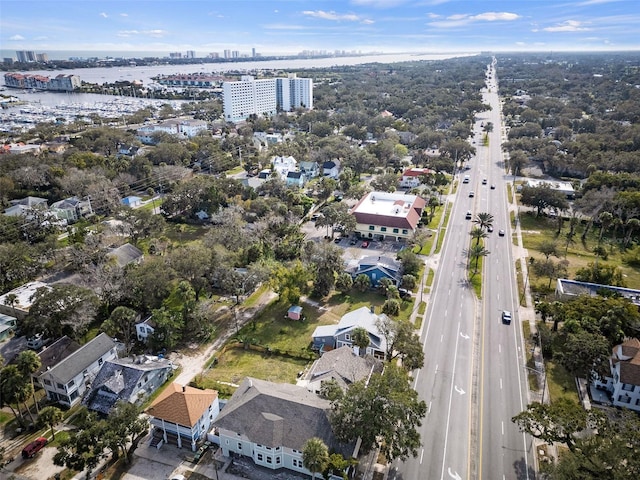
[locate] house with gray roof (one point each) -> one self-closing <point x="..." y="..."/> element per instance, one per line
<point x="55" y="353"/>
<point x="67" y="381"/>
<point x="270" y="423"/>
<point x="126" y="254"/>
<point x="129" y="379"/>
<point x="342" y="365"/>
<point x="330" y="337"/>
<point x="376" y="268"/>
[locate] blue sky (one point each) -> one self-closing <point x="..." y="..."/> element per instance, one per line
<point x="290" y="26"/>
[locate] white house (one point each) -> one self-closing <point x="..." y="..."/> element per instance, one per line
<point x="183" y="414"/>
<point x="331" y="168"/>
<point x="284" y="165"/>
<point x="18" y="301"/>
<point x="68" y="380"/>
<point x="412" y="177"/>
<point x="145" y="329"/>
<point x="624" y="382"/>
<point x="270" y="423"/>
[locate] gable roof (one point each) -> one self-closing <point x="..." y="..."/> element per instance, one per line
<point x="79" y="360"/>
<point x="361" y="317"/>
<point x="125" y="254"/>
<point x="627" y="356"/>
<point x="57" y="351"/>
<point x="277" y="414"/>
<point x="183" y="405"/>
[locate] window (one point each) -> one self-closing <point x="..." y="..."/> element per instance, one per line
<point x="395" y="230"/>
<point x="74" y="395"/>
<point x="624" y="398"/>
<point x="277" y="460"/>
<point x="60" y="386"/>
<point x="627" y="387"/>
<point x="383" y="229"/>
<point x="100" y="361"/>
<point x="71" y="383"/>
<point x="259" y="457"/>
<point x="47" y="382"/>
<point x="405" y="232"/>
<point x="347" y="337"/>
<point x="269" y="460"/>
<point x="239" y="446"/>
<point x="372" y="227"/>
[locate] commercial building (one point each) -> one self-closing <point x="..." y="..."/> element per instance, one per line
<point x="384" y="215"/>
<point x="265" y="97"/>
<point x="60" y="83"/>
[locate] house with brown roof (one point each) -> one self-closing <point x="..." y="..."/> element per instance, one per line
<point x="384" y="215"/>
<point x="184" y="413"/>
<point x="624" y="382"/>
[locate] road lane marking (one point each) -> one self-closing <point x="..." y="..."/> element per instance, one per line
<point x="459" y="390"/>
<point x="500" y="384"/>
<point x="421" y="456"/>
<point x="454" y="474"/>
<point x="436" y="368"/>
<point x="499" y="348"/>
<point x="441" y="337"/>
<point x="446" y="433"/>
<point x="466" y="337"/>
<point x="502" y="427"/>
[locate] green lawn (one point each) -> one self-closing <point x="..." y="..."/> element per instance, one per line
<point x="561" y="383"/>
<point x="236" y="363"/>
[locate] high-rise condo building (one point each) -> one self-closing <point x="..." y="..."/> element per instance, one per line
<point x="265" y="97"/>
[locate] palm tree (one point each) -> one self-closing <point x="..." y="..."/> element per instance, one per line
<point x="28" y="363"/>
<point x="483" y="220"/>
<point x="10" y="300"/>
<point x="606" y="218"/>
<point x="315" y="456"/>
<point x="50" y="416"/>
<point x="477" y="252"/>
<point x="478" y="233"/>
<point x="632" y="225"/>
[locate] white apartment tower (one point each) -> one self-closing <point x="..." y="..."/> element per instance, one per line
<point x="265" y="97"/>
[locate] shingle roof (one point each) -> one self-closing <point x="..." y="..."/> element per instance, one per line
<point x="278" y="414"/>
<point x="57" y="351"/>
<point x="630" y="365"/>
<point x="79" y="360"/>
<point x="182" y="405"/>
<point x="343" y="365"/>
<point x="118" y="380"/>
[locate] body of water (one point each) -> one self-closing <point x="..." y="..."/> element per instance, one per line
<point x="146" y="73"/>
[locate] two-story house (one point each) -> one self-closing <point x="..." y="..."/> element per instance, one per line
<point x="68" y="380"/>
<point x="129" y="379"/>
<point x="624" y="383"/>
<point x="331" y="168"/>
<point x="270" y="423"/>
<point x="412" y="177"/>
<point x="376" y="268"/>
<point x="328" y="337"/>
<point x="183" y="414"/>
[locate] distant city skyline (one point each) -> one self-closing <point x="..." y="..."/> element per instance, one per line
<point x="289" y="27"/>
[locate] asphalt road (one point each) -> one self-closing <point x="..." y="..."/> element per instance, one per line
<point x="472" y="381"/>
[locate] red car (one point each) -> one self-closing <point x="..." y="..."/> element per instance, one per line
<point x="365" y="244"/>
<point x="34" y="447"/>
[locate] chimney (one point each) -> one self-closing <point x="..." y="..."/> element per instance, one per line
<point x="373" y="309"/>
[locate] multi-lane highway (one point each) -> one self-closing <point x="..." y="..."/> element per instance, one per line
<point x="473" y="380"/>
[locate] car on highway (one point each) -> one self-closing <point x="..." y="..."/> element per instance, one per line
<point x="365" y="244"/>
<point x="484" y="181"/>
<point x="501" y="233"/>
<point x="506" y="317"/>
<point x="34" y="447"/>
<point x="493" y="187"/>
<point x="466" y="179"/>
<point x="471" y="194"/>
<point x="468" y="215"/>
<point x="490" y="228"/>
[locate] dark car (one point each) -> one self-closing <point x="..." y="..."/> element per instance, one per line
<point x="468" y="216"/>
<point x="471" y="194"/>
<point x="34" y="447"/>
<point x="490" y="228"/>
<point x="404" y="293"/>
<point x="484" y="181"/>
<point x="493" y="187"/>
<point x="337" y="240"/>
<point x="353" y="241"/>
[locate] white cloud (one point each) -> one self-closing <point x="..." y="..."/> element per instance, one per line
<point x="568" y="26"/>
<point x="16" y="38"/>
<point x="283" y="26"/>
<point x="331" y="15"/>
<point x="378" y="3"/>
<point x="124" y="14"/>
<point x="148" y="33"/>
<point x="462" y="19"/>
<point x="104" y="15"/>
<point x="368" y="22"/>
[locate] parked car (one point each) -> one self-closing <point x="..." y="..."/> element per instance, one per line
<point x="337" y="240"/>
<point x="353" y="241"/>
<point x="404" y="293"/>
<point x="506" y="317"/>
<point x="34" y="447"/>
<point x="365" y="244"/>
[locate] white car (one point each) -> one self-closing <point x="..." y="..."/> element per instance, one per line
<point x="506" y="317"/>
